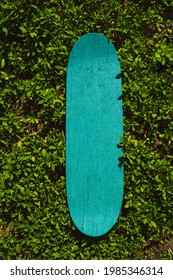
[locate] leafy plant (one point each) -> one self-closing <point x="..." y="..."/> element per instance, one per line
<point x="36" y="40"/>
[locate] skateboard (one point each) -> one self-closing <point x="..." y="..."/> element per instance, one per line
<point x="94" y="125"/>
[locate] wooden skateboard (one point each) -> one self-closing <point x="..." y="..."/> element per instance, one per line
<point x="94" y="125"/>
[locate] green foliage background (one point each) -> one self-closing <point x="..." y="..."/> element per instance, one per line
<point x="36" y="37"/>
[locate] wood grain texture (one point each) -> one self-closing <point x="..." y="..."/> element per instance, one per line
<point x="94" y="124"/>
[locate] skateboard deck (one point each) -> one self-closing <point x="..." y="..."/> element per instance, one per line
<point x="94" y="125"/>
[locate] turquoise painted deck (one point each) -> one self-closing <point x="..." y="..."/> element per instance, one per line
<point x="94" y="124"/>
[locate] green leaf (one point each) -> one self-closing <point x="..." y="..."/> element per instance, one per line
<point x="2" y="62"/>
<point x="44" y="153"/>
<point x="33" y="34"/>
<point x="23" y="29"/>
<point x="153" y="224"/>
<point x="52" y="147"/>
<point x="5" y="30"/>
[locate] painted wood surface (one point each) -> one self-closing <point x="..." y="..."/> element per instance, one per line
<point x="94" y="124"/>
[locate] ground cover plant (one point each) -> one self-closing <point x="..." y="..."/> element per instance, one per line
<point x="36" y="38"/>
